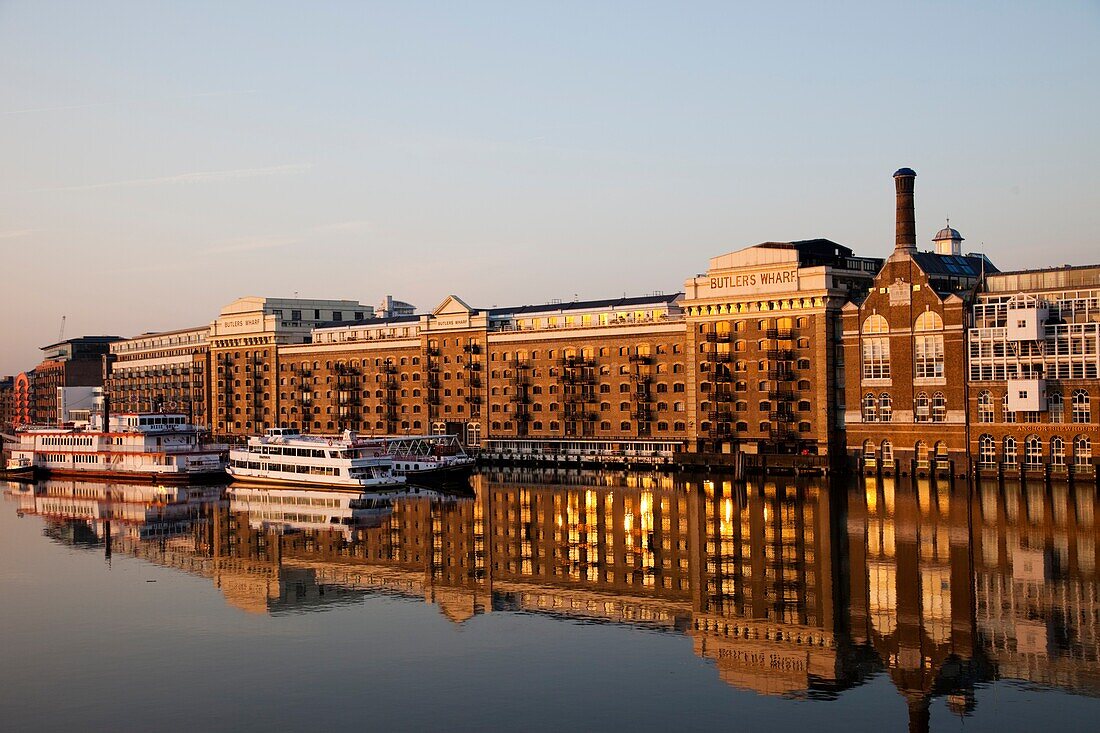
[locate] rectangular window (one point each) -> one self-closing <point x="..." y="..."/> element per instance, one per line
<point x="929" y="356"/>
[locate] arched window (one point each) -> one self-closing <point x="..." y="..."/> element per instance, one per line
<point x="876" y="348"/>
<point x="885" y="407"/>
<point x="1057" y="451"/>
<point x="939" y="407"/>
<point x="1082" y="450"/>
<point x="887" y="452"/>
<point x="870" y="408"/>
<point x="985" y="406"/>
<point x="1009" y="415"/>
<point x="922" y="409"/>
<point x="1033" y="451"/>
<point x="1056" y="406"/>
<point x="920" y="452"/>
<point x="987" y="451"/>
<point x="875" y="324"/>
<point x="928" y="321"/>
<point x="742" y="427"/>
<point x="868" y="449"/>
<point x="1010" y="451"/>
<point x="928" y="346"/>
<point x="1082" y="411"/>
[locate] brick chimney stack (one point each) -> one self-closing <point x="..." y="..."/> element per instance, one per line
<point x="905" y="227"/>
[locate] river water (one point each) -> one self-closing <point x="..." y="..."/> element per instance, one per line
<point x="550" y="601"/>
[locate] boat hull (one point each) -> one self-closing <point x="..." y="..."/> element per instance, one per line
<point x="306" y="484"/>
<point x="150" y="477"/>
<point x="18" y="474"/>
<point x="441" y="474"/>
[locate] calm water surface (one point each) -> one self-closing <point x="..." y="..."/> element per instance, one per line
<point x="535" y="601"/>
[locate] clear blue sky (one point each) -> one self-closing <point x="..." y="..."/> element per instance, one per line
<point x="162" y="158"/>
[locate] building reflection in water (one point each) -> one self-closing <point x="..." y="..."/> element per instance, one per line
<point x="789" y="587"/>
<point x="912" y="591"/>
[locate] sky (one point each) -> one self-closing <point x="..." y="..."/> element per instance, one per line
<point x="160" y="159"/>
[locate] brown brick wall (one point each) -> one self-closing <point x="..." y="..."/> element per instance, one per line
<point x="903" y="386"/>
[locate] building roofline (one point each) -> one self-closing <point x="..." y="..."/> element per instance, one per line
<point x="1035" y="270"/>
<point x="666" y="299"/>
<point x="368" y="322"/>
<point x="150" y="334"/>
<point x="91" y="339"/>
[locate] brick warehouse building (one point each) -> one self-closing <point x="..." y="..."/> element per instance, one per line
<point x="904" y="346"/>
<point x="764" y="334"/>
<point x="960" y="368"/>
<point x="162" y="372"/>
<point x="7" y="404"/>
<point x="793" y="347"/>
<point x="73" y="363"/>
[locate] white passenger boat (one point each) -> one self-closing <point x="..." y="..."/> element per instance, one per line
<point x="284" y="457"/>
<point x="157" y="447"/>
<point x="428" y="457"/>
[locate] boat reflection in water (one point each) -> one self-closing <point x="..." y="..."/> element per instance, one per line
<point x="97" y="513"/>
<point x="788" y="587"/>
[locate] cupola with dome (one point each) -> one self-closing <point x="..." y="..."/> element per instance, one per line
<point x="948" y="241"/>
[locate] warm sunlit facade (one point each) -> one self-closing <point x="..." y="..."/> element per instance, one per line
<point x="1034" y="372"/>
<point x="794" y="348"/>
<point x="167" y="371"/>
<point x="763" y="335"/>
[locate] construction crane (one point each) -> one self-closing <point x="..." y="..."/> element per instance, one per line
<point x="61" y="333"/>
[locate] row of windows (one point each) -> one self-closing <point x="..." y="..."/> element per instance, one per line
<point x="926" y="321"/>
<point x="762" y="406"/>
<point x="1056" y="408"/>
<point x="625" y="425"/>
<point x="740" y="346"/>
<point x="66" y="440"/>
<point x="70" y="458"/>
<point x="880" y="408"/>
<point x="764" y="427"/>
<point x="928" y="353"/>
<point x="1034" y="454"/>
<point x="761" y="325"/>
<point x="762" y="386"/>
<point x="288" y="468"/>
<point x="588" y="353"/>
<point x="605" y="406"/>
